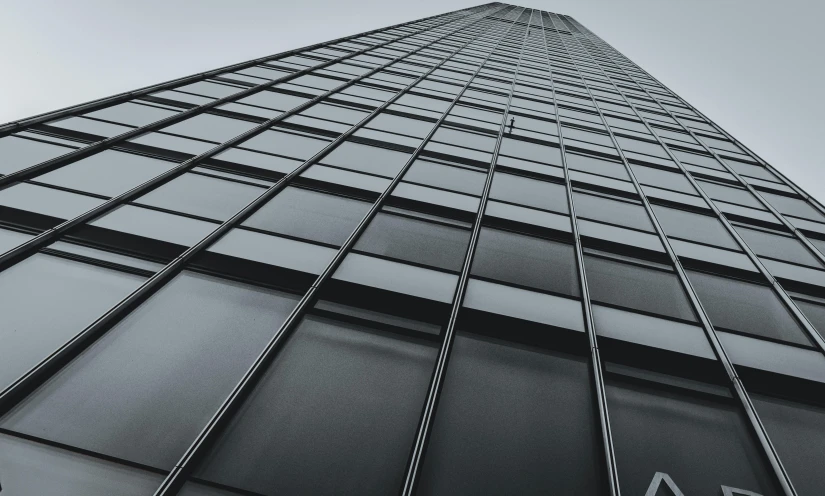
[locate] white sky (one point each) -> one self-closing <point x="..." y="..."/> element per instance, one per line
<point x="754" y="67"/>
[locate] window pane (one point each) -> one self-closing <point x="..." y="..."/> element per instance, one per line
<point x="30" y="467"/>
<point x="310" y="215"/>
<point x="730" y="194"/>
<point x="444" y="176"/>
<point x="636" y="287"/>
<point x="145" y="389"/>
<point x="107" y="173"/>
<point x="202" y="196"/>
<point x="662" y="179"/>
<point x="612" y="211"/>
<point x="526" y="260"/>
<point x="47" y="201"/>
<point x="416" y="241"/>
<point x="18" y="153"/>
<point x="45" y="301"/>
<point x="210" y="127"/>
<point x="528" y="415"/>
<point x="338" y="407"/>
<point x="529" y="192"/>
<point x="363" y="158"/>
<point x="593" y="165"/>
<point x="798" y="432"/>
<point x="153" y="224"/>
<point x="701" y="443"/>
<point x="776" y="246"/>
<point x="287" y="144"/>
<point x="132" y="114"/>
<point x="694" y="227"/>
<point x="794" y="206"/>
<point x="746" y="307"/>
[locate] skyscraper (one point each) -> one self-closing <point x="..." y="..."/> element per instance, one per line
<point x="477" y="253"/>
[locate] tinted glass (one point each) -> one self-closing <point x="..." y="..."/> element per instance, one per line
<point x="19" y="153"/>
<point x="45" y="301"/>
<point x="310" y="215"/>
<point x="497" y="398"/>
<point x="202" y="196"/>
<point x="529" y="192"/>
<point x="210" y="127"/>
<point x="107" y="173"/>
<point x="443" y="176"/>
<point x="701" y="442"/>
<point x="145" y="389"/>
<point x="611" y="211"/>
<point x="416" y="241"/>
<point x="776" y="246"/>
<point x="694" y="227"/>
<point x="526" y="261"/>
<point x="338" y="407"/>
<point x="794" y="206"/>
<point x="363" y="158"/>
<point x="798" y="432"/>
<point x="746" y="307"/>
<point x="636" y="287"/>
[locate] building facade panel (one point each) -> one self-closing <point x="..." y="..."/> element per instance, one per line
<point x="478" y="253"/>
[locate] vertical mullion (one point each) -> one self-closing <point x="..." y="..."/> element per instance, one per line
<point x="595" y="357"/>
<point x="756" y="424"/>
<point x="436" y="383"/>
<point x="775" y="285"/>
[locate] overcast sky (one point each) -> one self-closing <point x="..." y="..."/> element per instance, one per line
<point x="754" y="67"/>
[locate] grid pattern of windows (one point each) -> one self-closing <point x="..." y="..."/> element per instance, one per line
<point x="478" y="253"/>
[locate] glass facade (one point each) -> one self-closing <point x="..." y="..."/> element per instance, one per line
<point x="477" y="253"/>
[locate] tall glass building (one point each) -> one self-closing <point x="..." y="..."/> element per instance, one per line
<point x="480" y="253"/>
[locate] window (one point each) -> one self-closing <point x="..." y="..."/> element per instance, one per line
<point x="457" y="179"/>
<point x="210" y="127"/>
<point x="174" y="143"/>
<point x="662" y="179"/>
<point x="47" y="201"/>
<point x="274" y="100"/>
<point x="529" y="192"/>
<point x="287" y="144"/>
<point x="342" y="400"/>
<point x="701" y="442"/>
<point x="534" y="152"/>
<point x="593" y="165"/>
<point x="636" y="287"/>
<point x="19" y="153"/>
<point x="370" y="159"/>
<point x="466" y="139"/>
<point x="794" y="206"/>
<point x="498" y="398"/>
<point x="201" y="195"/>
<point x="414" y="240"/>
<point x="30" y="467"/>
<point x="526" y="261"/>
<point x="107" y="173"/>
<point x="310" y="215"/>
<point x="622" y="213"/>
<point x="169" y="365"/>
<point x="401" y="125"/>
<point x="132" y="114"/>
<point x="776" y="246"/>
<point x="694" y="227"/>
<point x="148" y="223"/>
<point x="45" y="301"/>
<point x="746" y="307"/>
<point x="730" y="194"/>
<point x="796" y="430"/>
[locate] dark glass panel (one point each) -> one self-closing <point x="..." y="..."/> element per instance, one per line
<point x="335" y="414"/>
<point x="310" y="215"/>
